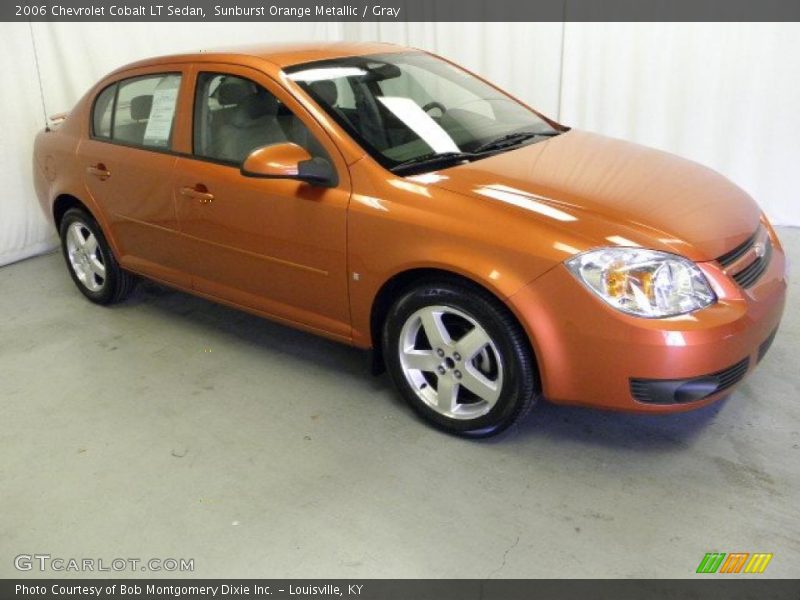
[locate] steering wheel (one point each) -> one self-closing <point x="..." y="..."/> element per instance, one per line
<point x="431" y="105"/>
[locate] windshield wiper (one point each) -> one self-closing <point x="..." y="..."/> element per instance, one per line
<point x="433" y="159"/>
<point x="512" y="139"/>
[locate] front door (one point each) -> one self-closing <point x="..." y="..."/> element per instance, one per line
<point x="277" y="246"/>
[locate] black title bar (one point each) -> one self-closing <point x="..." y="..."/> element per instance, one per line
<point x="401" y="10"/>
<point x="701" y="588"/>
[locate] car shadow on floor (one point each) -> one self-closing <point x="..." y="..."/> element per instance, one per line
<point x="258" y="333"/>
<point x="581" y="425"/>
<point x="597" y="427"/>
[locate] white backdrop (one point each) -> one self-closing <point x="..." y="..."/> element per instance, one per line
<point x="725" y="94"/>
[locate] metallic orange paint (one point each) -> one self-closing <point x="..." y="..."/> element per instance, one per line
<point x="277" y="161"/>
<point x="317" y="258"/>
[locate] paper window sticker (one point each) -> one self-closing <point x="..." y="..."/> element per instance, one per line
<point x="165" y="98"/>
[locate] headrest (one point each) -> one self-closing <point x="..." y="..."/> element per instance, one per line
<point x="233" y="92"/>
<point x="141" y="107"/>
<point x="254" y="107"/>
<point x="326" y="90"/>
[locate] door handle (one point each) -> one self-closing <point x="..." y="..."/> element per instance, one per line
<point x="198" y="192"/>
<point x="99" y="170"/>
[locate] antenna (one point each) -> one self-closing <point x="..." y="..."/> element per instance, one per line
<point x="39" y="76"/>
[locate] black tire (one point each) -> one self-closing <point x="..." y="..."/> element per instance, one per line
<point x="518" y="379"/>
<point x="117" y="283"/>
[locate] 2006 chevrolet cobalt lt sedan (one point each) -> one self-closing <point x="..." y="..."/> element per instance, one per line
<point x="389" y="199"/>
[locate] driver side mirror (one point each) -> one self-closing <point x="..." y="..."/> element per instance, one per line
<point x="289" y="161"/>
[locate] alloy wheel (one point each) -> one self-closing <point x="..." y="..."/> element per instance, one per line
<point x="451" y="362"/>
<point x="85" y="257"/>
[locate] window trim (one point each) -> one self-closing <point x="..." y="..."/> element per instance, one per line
<point x="117" y="83"/>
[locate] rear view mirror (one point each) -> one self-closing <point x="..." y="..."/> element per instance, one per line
<point x="381" y="73"/>
<point x="289" y="161"/>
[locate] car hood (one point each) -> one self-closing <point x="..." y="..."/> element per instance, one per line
<point x="591" y="185"/>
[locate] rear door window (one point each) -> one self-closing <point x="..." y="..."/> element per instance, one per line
<point x="145" y="110"/>
<point x="139" y="111"/>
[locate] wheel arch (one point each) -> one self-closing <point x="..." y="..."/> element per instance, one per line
<point x="64" y="202"/>
<point x="400" y="282"/>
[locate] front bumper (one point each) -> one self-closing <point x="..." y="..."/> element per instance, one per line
<point x="591" y="354"/>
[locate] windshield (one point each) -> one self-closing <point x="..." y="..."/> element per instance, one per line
<point x="408" y="109"/>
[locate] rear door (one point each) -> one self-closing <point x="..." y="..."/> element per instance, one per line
<point x="128" y="160"/>
<point x="278" y="246"/>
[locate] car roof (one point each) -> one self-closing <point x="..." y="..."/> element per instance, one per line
<point x="280" y="55"/>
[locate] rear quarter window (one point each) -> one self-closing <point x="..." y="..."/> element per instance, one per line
<point x="101" y="114"/>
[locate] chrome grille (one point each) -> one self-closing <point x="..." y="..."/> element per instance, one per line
<point x="731" y="257"/>
<point x="750" y="274"/>
<point x="747" y="262"/>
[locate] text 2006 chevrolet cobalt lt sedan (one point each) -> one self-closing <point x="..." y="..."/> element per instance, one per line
<point x="389" y="199"/>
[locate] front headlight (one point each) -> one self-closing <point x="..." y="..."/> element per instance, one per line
<point x="645" y="283"/>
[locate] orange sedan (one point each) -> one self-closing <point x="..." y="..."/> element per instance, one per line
<point x="389" y="199"/>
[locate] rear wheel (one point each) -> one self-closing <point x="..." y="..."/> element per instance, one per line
<point x="90" y="261"/>
<point x="459" y="358"/>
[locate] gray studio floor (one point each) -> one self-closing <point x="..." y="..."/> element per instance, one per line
<point x="170" y="427"/>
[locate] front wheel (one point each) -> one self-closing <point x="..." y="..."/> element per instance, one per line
<point x="460" y="359"/>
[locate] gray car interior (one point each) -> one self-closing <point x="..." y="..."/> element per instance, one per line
<point x="249" y="118"/>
